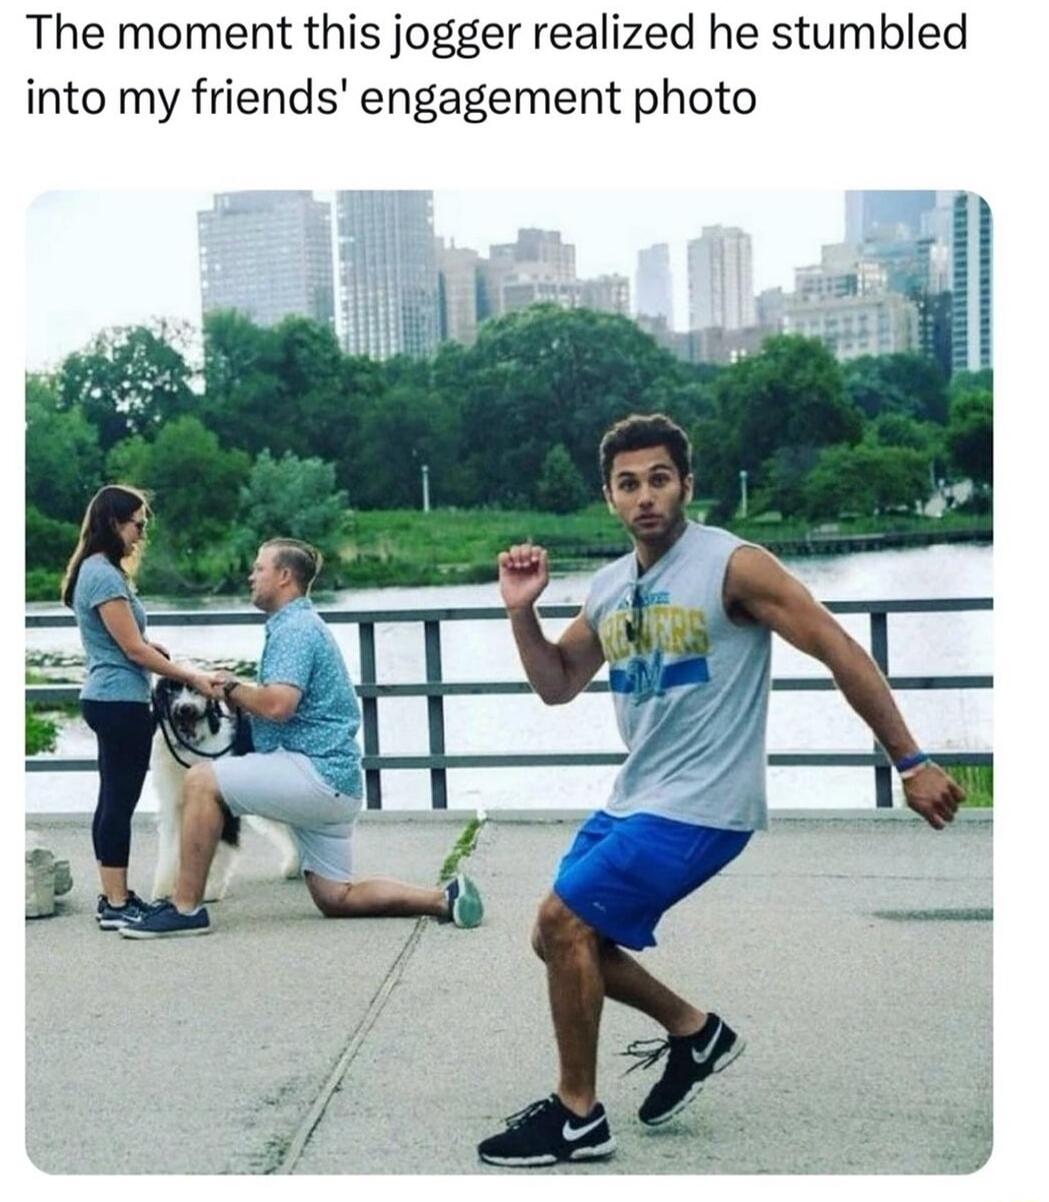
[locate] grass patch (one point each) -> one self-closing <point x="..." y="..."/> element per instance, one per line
<point x="464" y="845"/>
<point x="41" y="734"/>
<point x="978" y="782"/>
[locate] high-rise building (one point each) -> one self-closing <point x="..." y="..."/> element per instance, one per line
<point x="879" y="323"/>
<point x="537" y="268"/>
<point x="971" y="325"/>
<point x="842" y="271"/>
<point x="606" y="294"/>
<point x="768" y="309"/>
<point x="387" y="273"/>
<point x="865" y="211"/>
<point x="654" y="285"/>
<point x="267" y="255"/>
<point x="457" y="278"/>
<point x="537" y="255"/>
<point x="720" y="280"/>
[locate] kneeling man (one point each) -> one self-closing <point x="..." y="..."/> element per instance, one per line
<point x="305" y="769"/>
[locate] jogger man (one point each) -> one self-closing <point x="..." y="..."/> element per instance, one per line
<point x="685" y="623"/>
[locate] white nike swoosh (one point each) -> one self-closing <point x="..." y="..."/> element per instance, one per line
<point x="571" y="1133"/>
<point x="703" y="1057"/>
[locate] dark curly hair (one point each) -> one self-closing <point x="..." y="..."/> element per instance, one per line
<point x="641" y="430"/>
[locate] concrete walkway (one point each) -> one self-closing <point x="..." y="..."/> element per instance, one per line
<point x="854" y="953"/>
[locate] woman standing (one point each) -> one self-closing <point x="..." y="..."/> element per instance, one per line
<point x="115" y="699"/>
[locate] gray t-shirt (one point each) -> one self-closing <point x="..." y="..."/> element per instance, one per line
<point x="690" y="686"/>
<point x="110" y="676"/>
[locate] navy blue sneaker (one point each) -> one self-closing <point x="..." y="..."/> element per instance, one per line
<point x="691" y="1059"/>
<point x="112" y="918"/>
<point x="548" y="1132"/>
<point x="164" y="920"/>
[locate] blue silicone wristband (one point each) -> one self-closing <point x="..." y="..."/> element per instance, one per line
<point x="912" y="761"/>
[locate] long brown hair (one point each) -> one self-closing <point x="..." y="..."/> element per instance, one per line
<point x="109" y="508"/>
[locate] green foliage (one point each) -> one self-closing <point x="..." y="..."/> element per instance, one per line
<point x="789" y="395"/>
<point x="194" y="484"/>
<point x="560" y="488"/>
<point x="286" y="389"/>
<point x="42" y="584"/>
<point x="462" y="848"/>
<point x="865" y="479"/>
<point x="970" y="434"/>
<point x="903" y="383"/>
<point x="543" y="376"/>
<point x="290" y="498"/>
<point x="48" y="543"/>
<point x="129" y="380"/>
<point x="784" y="474"/>
<point x="512" y="422"/>
<point x="41" y="734"/>
<point x="62" y="461"/>
<point x="899" y="430"/>
<point x="978" y="782"/>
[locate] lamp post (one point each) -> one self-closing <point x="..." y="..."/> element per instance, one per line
<point x="743" y="492"/>
<point x="426" y="488"/>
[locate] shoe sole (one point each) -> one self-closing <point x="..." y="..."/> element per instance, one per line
<point x="130" y="932"/>
<point x="468" y="910"/>
<point x="722" y="1062"/>
<point x="597" y="1152"/>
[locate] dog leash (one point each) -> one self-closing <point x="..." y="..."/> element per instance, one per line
<point x="162" y="713"/>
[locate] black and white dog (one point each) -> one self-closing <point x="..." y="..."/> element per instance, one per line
<point x="192" y="729"/>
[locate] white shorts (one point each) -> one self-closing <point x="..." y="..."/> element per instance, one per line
<point x="285" y="786"/>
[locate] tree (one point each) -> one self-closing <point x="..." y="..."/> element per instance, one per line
<point x="866" y="480"/>
<point x="901" y="383"/>
<point x="290" y="498"/>
<point x="560" y="488"/>
<point x="194" y="484"/>
<point x="970" y="434"/>
<point x="130" y="380"/>
<point x="48" y="542"/>
<point x="287" y="388"/>
<point x="784" y="475"/>
<point x="542" y="376"/>
<point x="63" y="463"/>
<point x="789" y="395"/>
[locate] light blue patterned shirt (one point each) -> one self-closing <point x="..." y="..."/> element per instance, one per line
<point x="300" y="650"/>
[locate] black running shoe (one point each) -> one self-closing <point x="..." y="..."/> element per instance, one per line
<point x="547" y="1132"/>
<point x="690" y="1061"/>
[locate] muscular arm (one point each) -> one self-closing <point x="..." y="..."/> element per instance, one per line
<point x="557" y="671"/>
<point x="758" y="587"/>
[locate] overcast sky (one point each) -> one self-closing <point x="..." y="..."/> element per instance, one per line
<point x="98" y="259"/>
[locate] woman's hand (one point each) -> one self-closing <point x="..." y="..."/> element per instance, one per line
<point x="203" y="683"/>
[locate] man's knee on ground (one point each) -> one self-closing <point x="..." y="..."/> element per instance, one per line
<point x="328" y="896"/>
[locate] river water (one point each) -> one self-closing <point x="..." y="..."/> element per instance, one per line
<point x="919" y="644"/>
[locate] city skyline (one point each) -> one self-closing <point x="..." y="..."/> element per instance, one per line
<point x="99" y="259"/>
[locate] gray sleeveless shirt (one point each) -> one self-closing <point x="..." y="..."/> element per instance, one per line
<point x="690" y="686"/>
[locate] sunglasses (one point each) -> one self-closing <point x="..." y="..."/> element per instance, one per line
<point x="633" y="625"/>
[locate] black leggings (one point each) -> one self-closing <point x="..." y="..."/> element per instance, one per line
<point x="124" y="730"/>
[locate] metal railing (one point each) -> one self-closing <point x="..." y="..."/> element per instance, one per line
<point x="435" y="689"/>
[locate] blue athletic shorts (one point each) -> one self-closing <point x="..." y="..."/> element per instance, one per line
<point x="621" y="875"/>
